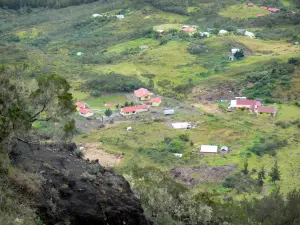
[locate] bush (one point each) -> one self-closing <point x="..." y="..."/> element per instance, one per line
<point x="79" y="153"/>
<point x="94" y="169"/>
<point x="240" y="182"/>
<point x="184" y="137"/>
<point x="95" y="93"/>
<point x="197" y="49"/>
<point x="88" y="177"/>
<point x="176" y="146"/>
<point x="268" y="146"/>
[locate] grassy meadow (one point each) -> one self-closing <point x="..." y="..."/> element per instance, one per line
<point x="49" y="40"/>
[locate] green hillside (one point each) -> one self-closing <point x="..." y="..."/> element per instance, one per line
<point x="104" y="61"/>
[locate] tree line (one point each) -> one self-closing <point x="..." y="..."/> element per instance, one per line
<point x="16" y="4"/>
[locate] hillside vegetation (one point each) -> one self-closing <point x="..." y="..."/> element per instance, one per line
<point x="62" y="48"/>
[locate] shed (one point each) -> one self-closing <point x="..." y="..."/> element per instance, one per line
<point x="178" y="155"/>
<point x="209" y="149"/>
<point x="249" y="34"/>
<point x="79" y="53"/>
<point x="160" y="31"/>
<point x="96" y="15"/>
<point x="169" y="112"/>
<point x="250" y="4"/>
<point x="235" y="50"/>
<point x="204" y="34"/>
<point x="120" y="16"/>
<point x="224" y="149"/>
<point x="183" y="125"/>
<point x="223" y="32"/>
<point x="144" y="47"/>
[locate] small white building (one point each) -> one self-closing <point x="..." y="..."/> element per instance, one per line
<point x="183" y="125"/>
<point x="249" y="34"/>
<point x="169" y="112"/>
<point x="178" y="155"/>
<point x="96" y="15"/>
<point x="79" y="53"/>
<point x="224" y="149"/>
<point x="209" y="149"/>
<point x="235" y="50"/>
<point x="120" y="17"/>
<point x="160" y="31"/>
<point x="223" y="32"/>
<point x="204" y="34"/>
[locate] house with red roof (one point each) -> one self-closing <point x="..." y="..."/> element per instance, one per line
<point x="132" y="110"/>
<point x="143" y="94"/>
<point x="246" y="103"/>
<point x="250" y="4"/>
<point x="267" y="110"/>
<point x="155" y="101"/>
<point x="188" y="29"/>
<point x="86" y="112"/>
<point x="264" y="7"/>
<point x="81" y="105"/>
<point x="260" y="15"/>
<point x="273" y="10"/>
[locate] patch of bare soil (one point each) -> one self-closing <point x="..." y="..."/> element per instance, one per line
<point x="202" y="174"/>
<point x="209" y="108"/>
<point x="210" y="95"/>
<point x="93" y="151"/>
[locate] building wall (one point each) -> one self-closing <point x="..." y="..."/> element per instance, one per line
<point x="156" y="103"/>
<point x="141" y="110"/>
<point x="144" y="98"/>
<point x="127" y="114"/>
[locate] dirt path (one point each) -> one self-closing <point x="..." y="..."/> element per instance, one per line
<point x="93" y="151"/>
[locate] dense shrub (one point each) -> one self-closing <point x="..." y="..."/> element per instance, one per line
<point x="268" y="146"/>
<point x="197" y="49"/>
<point x="265" y="79"/>
<point x="112" y="83"/>
<point x="176" y="146"/>
<point x="240" y="182"/>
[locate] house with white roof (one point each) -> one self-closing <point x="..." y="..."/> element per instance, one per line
<point x="209" y="149"/>
<point x="249" y="34"/>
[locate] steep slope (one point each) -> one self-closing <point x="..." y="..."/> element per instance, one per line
<point x="77" y="192"/>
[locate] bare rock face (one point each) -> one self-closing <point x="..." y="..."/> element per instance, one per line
<point x="78" y="192"/>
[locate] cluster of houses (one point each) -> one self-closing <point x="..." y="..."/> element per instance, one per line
<point x="272" y="10"/>
<point x="253" y="106"/>
<point x="84" y="109"/>
<point x="141" y="95"/>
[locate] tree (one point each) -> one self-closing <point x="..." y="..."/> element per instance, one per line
<point x="108" y="112"/>
<point x="20" y="107"/>
<point x="131" y="103"/>
<point x="150" y="84"/>
<point x="117" y="106"/>
<point x="274" y="173"/>
<point x="239" y="54"/>
<point x="126" y="104"/>
<point x="245" y="170"/>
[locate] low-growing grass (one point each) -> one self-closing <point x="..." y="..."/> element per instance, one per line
<point x="99" y="102"/>
<point x="242" y="11"/>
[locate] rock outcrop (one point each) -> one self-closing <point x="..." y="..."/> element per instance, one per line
<point x="75" y="191"/>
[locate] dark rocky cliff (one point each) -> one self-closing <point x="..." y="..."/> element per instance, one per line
<point x="75" y="191"/>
